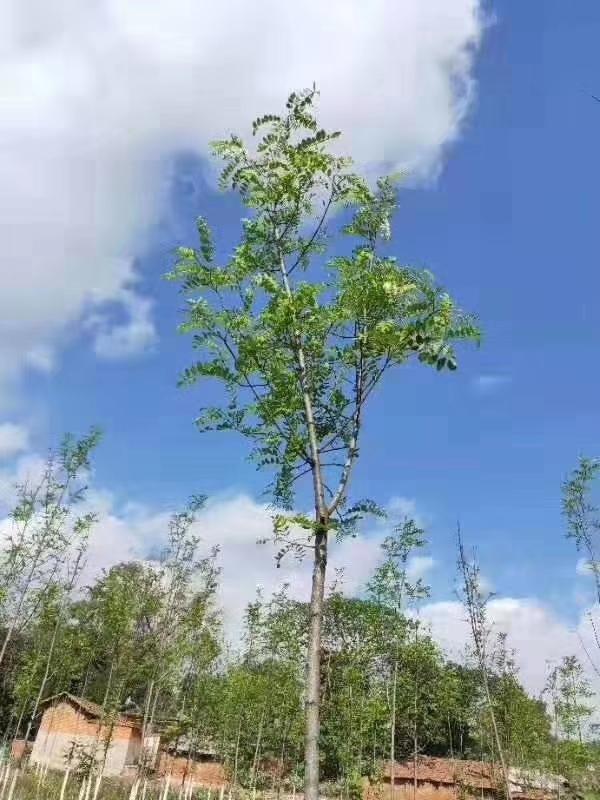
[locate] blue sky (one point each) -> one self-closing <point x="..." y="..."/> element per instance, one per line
<point x="509" y="227"/>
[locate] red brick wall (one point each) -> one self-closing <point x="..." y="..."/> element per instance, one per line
<point x="18" y="749"/>
<point x="209" y="774"/>
<point x="64" y="718"/>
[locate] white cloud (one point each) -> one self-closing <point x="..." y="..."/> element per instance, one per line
<point x="538" y="634"/>
<point x="419" y="566"/>
<point x="486" y="384"/>
<point x="235" y="523"/>
<point x="98" y="95"/>
<point x="14" y="439"/>
<point x="584" y="568"/>
<point x="114" y="341"/>
<point x="402" y="508"/>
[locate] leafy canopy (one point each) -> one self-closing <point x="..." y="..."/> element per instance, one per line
<point x="298" y="335"/>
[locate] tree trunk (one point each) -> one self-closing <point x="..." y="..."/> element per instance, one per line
<point x="496" y="732"/>
<point x="415" y="720"/>
<point x="42" y="688"/>
<point x="393" y="731"/>
<point x="450" y="738"/>
<point x="65" y="780"/>
<point x="7" y="638"/>
<point x="257" y="749"/>
<point x="313" y="665"/>
<point x="237" y="753"/>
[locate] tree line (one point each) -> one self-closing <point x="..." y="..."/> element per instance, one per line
<point x="150" y="635"/>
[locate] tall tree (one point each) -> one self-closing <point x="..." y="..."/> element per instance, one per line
<point x="299" y="347"/>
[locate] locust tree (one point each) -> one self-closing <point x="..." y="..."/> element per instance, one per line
<point x="300" y="331"/>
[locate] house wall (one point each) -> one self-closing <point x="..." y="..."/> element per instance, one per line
<point x="19" y="749"/>
<point x="405" y="791"/>
<point x="209" y="774"/>
<point x="426" y="790"/>
<point x="62" y="724"/>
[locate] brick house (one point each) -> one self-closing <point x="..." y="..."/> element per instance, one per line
<point x="449" y="779"/>
<point x="71" y="725"/>
<point x="439" y="778"/>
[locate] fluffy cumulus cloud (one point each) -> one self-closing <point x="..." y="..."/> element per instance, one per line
<point x="236" y="523"/>
<point x="13" y="439"/>
<point x="99" y="95"/>
<point x="539" y="636"/>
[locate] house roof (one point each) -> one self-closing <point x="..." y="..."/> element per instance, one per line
<point x="444" y="771"/>
<point x="92" y="709"/>
<point x="474" y="775"/>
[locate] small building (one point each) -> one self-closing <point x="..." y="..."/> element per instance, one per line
<point x="442" y="778"/>
<point x="449" y="779"/>
<point x="73" y="728"/>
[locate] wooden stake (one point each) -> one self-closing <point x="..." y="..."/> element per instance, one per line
<point x="63" y="788"/>
<point x="5" y="781"/>
<point x="97" y="786"/>
<point x="134" y="789"/>
<point x="12" y="785"/>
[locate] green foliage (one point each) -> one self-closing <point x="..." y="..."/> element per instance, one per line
<point x="582" y="515"/>
<point x="299" y="347"/>
<point x="391" y="583"/>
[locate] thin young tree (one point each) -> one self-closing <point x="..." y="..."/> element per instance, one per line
<point x="569" y="693"/>
<point x="300" y="342"/>
<point x="583" y="526"/>
<point x="392" y="587"/>
<point x="582" y="515"/>
<point x="475" y="600"/>
<point x="41" y="538"/>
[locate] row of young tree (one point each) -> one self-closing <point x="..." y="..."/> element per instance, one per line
<point x="150" y="635"/>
